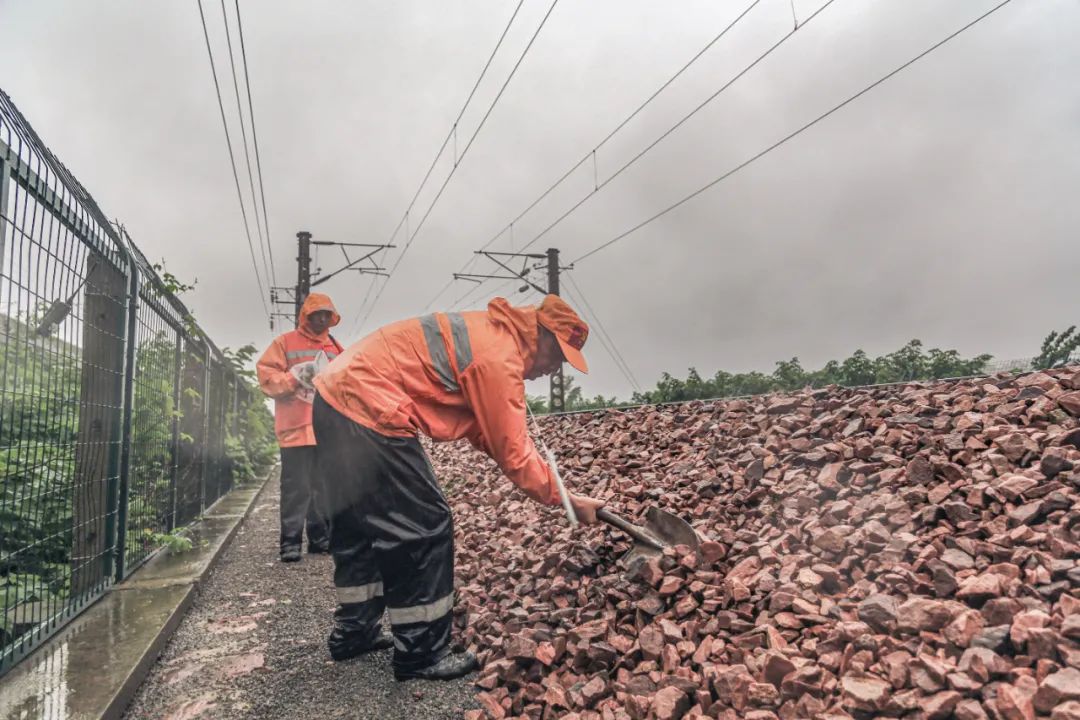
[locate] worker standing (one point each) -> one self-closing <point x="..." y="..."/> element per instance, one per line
<point x="285" y="373"/>
<point x="446" y="376"/>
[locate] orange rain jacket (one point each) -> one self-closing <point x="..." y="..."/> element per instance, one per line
<point x="292" y="414"/>
<point x="448" y="376"/>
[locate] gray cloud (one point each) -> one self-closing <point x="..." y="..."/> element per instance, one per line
<point x="938" y="206"/>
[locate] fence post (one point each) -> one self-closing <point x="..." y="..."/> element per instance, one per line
<point x="125" y="433"/>
<point x="178" y="388"/>
<point x="4" y="180"/>
<point x="235" y="429"/>
<point x="208" y="358"/>
<point x="96" y="460"/>
<point x="225" y="483"/>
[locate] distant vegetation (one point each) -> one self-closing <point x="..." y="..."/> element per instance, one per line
<point x="910" y="363"/>
<point x="1057" y="349"/>
<point x="40" y="395"/>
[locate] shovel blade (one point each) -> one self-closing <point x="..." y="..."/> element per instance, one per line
<point x="639" y="553"/>
<point x="667" y="529"/>
<point x="670" y="529"/>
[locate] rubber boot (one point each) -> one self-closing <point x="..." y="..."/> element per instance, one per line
<point x="450" y="667"/>
<point x="344" y="647"/>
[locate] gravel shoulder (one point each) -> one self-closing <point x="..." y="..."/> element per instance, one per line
<point x="253" y="646"/>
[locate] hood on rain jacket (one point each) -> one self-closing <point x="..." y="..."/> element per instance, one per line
<point x="448" y="376"/>
<point x="292" y="411"/>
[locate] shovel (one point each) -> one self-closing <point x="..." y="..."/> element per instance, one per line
<point x="662" y="529"/>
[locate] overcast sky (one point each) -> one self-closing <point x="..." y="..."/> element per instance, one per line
<point x="940" y="205"/>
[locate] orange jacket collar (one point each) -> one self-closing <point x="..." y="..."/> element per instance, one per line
<point x="521" y="322"/>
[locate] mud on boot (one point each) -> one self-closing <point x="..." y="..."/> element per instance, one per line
<point x="290" y="554"/>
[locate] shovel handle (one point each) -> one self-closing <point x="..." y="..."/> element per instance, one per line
<point x="629" y="528"/>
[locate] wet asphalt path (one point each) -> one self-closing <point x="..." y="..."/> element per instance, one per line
<point x="253" y="645"/>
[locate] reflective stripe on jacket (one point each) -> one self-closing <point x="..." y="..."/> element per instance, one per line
<point x="448" y="376"/>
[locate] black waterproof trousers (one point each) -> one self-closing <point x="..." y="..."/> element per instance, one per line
<point x="301" y="499"/>
<point x="392" y="537"/>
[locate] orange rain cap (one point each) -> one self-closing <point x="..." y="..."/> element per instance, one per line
<point x="569" y="329"/>
<point x="316" y="302"/>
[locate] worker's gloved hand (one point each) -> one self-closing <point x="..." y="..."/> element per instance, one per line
<point x="585" y="508"/>
<point x="304" y="372"/>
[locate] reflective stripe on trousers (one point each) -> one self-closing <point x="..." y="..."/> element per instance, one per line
<point x="421" y="613"/>
<point x="359" y="593"/>
<point x="392" y="538"/>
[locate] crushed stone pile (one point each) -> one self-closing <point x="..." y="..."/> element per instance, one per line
<point x="906" y="551"/>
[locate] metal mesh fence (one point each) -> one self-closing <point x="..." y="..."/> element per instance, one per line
<point x="1022" y="365"/>
<point x="217" y="477"/>
<point x="154" y="426"/>
<point x="113" y="404"/>
<point x="192" y="445"/>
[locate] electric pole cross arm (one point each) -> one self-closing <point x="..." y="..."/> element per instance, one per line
<point x="305" y="279"/>
<point x="282" y="295"/>
<point x="352" y="264"/>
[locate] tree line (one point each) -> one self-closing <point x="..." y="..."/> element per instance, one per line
<point x="912" y="362"/>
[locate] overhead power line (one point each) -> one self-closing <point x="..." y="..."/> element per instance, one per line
<point x="475" y="290"/>
<point x="446" y="141"/>
<point x="615" y="354"/>
<point x="232" y="161"/>
<point x="603" y="342"/>
<point x="591" y="155"/>
<point x="792" y="135"/>
<point x="476" y="132"/>
<point x="371" y="286"/>
<point x="470" y="295"/>
<point x="255" y="142"/>
<point x="243" y="137"/>
<point x="467" y="295"/>
<point x="459" y="159"/>
<point x="667" y="133"/>
<point x="626" y="166"/>
<point x="453" y="128"/>
<point x="447" y="286"/>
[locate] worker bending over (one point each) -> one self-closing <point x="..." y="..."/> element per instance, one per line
<point x="446" y="376"/>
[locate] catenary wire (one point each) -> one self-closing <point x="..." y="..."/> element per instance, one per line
<point x="453" y="170"/>
<point x="232" y="161"/>
<point x="667" y="133"/>
<point x="446" y="141"/>
<point x="604" y="344"/>
<point x="792" y="135"/>
<point x="617" y="355"/>
<point x="592" y="153"/>
<point x="243" y="137"/>
<point x="255" y="142"/>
